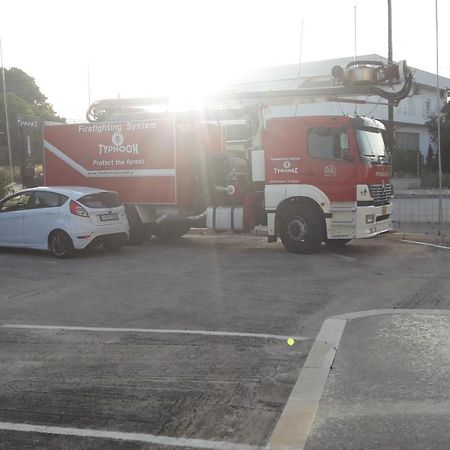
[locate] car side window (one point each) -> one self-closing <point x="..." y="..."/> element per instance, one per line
<point x="49" y="199"/>
<point x="328" y="143"/>
<point x="17" y="202"/>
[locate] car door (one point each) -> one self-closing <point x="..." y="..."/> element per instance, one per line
<point x="39" y="220"/>
<point x="12" y="210"/>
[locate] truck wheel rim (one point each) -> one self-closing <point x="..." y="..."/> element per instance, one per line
<point x="297" y="229"/>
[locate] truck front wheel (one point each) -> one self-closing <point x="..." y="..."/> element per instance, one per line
<point x="300" y="229"/>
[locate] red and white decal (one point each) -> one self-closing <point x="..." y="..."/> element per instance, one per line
<point x="106" y="155"/>
<point x="285" y="169"/>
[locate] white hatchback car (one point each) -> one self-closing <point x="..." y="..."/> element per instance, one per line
<point x="62" y="219"/>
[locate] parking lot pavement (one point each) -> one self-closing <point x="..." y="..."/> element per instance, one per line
<point x="199" y="387"/>
<point x="223" y="387"/>
<point x="389" y="386"/>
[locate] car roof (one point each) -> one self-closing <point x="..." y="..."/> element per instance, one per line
<point x="68" y="190"/>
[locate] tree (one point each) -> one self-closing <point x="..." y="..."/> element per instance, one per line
<point x="23" y="97"/>
<point x="445" y="136"/>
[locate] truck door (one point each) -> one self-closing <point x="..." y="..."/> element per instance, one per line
<point x="330" y="161"/>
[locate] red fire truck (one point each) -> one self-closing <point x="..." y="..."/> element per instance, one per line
<point x="308" y="179"/>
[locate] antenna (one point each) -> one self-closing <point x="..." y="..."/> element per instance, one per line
<point x="354" y="58"/>
<point x="89" y="82"/>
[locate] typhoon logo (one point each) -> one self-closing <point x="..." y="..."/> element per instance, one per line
<point x="118" y="146"/>
<point x="117" y="138"/>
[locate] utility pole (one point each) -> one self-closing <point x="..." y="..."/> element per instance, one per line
<point x="390" y="124"/>
<point x="438" y="118"/>
<point x="8" y="136"/>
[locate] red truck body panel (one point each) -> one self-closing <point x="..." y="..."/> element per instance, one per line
<point x="147" y="161"/>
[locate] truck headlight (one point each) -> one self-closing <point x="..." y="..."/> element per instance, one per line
<point x="370" y="218"/>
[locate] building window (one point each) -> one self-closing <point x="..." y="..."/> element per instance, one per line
<point x="427" y="108"/>
<point x="408" y="141"/>
<point x="412" y="106"/>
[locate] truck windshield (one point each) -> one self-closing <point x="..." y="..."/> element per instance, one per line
<point x="370" y="143"/>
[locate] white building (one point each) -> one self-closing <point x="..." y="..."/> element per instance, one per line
<point x="410" y="116"/>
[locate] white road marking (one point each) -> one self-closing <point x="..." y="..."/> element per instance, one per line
<point x="426" y="244"/>
<point x="347" y="258"/>
<point x="123" y="436"/>
<point x="156" y="331"/>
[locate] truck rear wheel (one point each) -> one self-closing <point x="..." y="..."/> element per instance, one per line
<point x="300" y="229"/>
<point x="139" y="232"/>
<point x="172" y="230"/>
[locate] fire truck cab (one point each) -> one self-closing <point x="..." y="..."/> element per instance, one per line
<point x="327" y="179"/>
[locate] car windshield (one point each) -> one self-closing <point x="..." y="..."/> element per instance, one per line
<point x="100" y="200"/>
<point x="370" y="143"/>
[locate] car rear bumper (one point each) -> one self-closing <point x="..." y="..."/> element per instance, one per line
<point x="91" y="235"/>
<point x="108" y="239"/>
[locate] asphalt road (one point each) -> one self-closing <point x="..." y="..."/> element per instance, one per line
<point x="208" y="389"/>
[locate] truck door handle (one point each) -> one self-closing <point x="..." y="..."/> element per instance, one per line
<point x="309" y="173"/>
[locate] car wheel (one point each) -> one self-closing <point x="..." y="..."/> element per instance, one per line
<point x="336" y="243"/>
<point x="300" y="229"/>
<point x="172" y="230"/>
<point x="60" y="244"/>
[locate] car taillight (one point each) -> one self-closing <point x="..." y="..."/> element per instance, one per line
<point x="77" y="209"/>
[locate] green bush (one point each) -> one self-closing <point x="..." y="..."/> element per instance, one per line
<point x="4" y="181"/>
<point x="405" y="162"/>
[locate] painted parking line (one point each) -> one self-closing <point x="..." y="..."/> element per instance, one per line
<point x="427" y="244"/>
<point x="157" y="331"/>
<point x="123" y="436"/>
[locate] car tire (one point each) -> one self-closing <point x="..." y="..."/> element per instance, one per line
<point x="172" y="230"/>
<point x="60" y="245"/>
<point x="336" y="243"/>
<point x="300" y="229"/>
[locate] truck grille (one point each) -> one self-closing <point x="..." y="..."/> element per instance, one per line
<point x="381" y="193"/>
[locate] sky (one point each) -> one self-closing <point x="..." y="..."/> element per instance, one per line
<point x="139" y="48"/>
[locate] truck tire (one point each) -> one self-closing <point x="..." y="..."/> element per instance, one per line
<point x="300" y="229"/>
<point x="172" y="230"/>
<point x="336" y="243"/>
<point x="139" y="232"/>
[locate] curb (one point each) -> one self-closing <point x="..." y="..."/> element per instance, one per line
<point x="297" y="418"/>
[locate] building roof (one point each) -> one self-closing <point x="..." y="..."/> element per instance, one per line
<point x="288" y="76"/>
